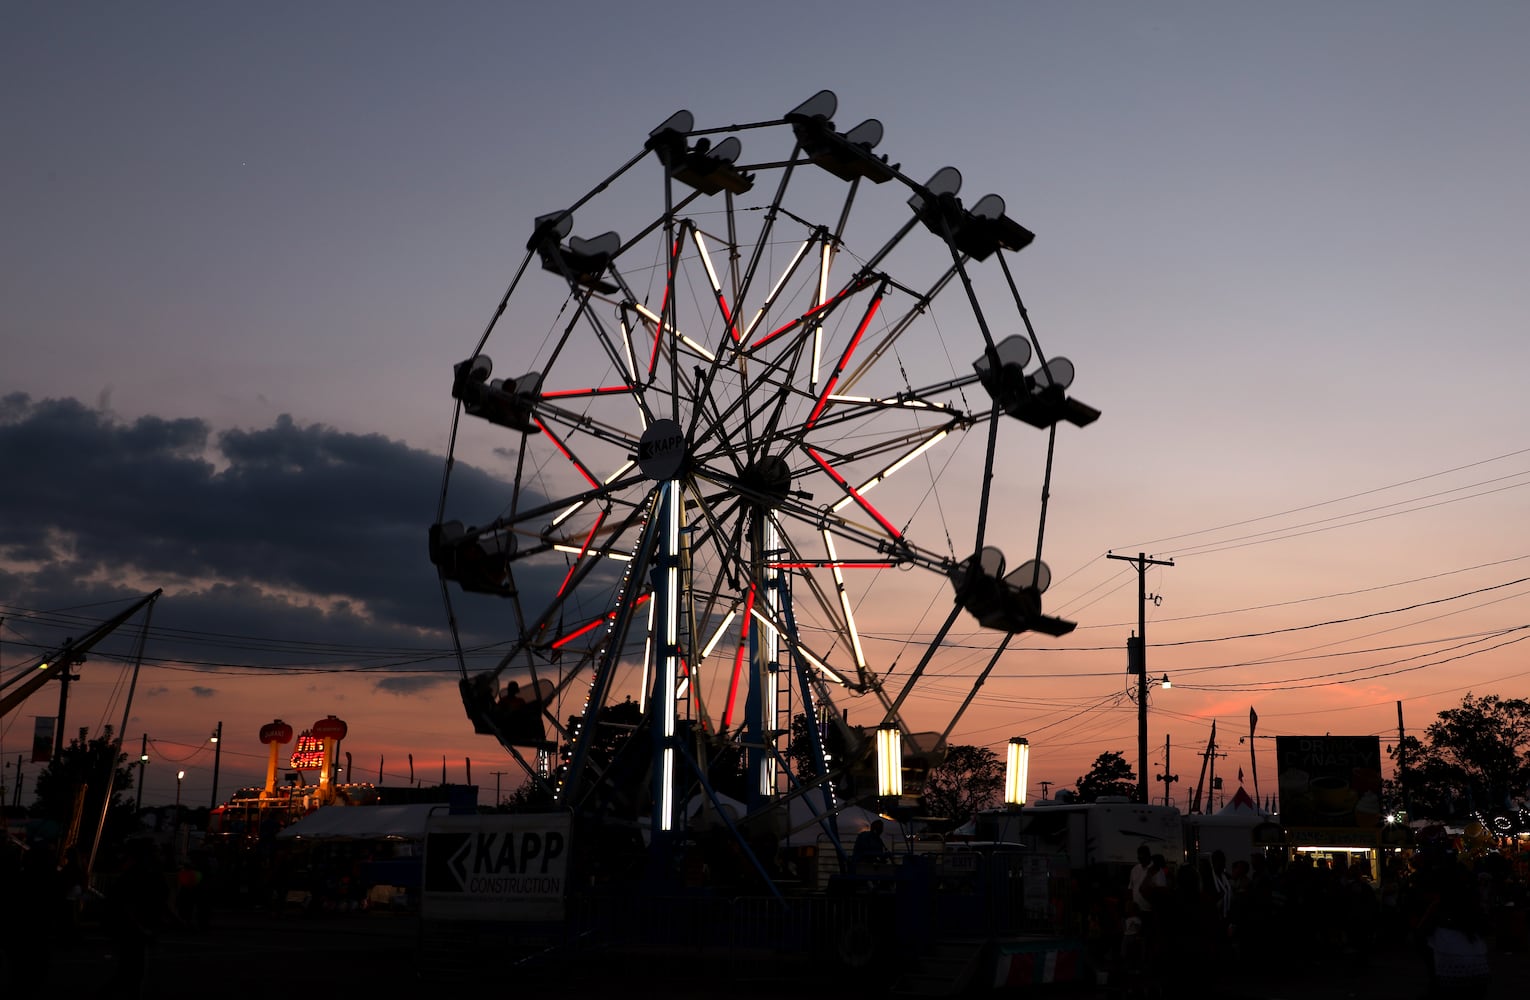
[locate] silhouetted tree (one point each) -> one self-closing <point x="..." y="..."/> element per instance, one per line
<point x="1109" y="775"/>
<point x="87" y="764"/>
<point x="529" y="797"/>
<point x="1475" y="757"/>
<point x="968" y="781"/>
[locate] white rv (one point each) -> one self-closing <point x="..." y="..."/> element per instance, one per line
<point x="1079" y="835"/>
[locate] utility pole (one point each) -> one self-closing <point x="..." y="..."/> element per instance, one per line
<point x="143" y="758"/>
<point x="1046" y="786"/>
<point x="1166" y="777"/>
<point x="64" y="678"/>
<point x="1402" y="765"/>
<point x="1139" y="664"/>
<point x="1212" y="755"/>
<point x="217" y="740"/>
<point x="497" y="776"/>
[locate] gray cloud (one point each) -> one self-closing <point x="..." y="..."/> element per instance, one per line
<point x="284" y="547"/>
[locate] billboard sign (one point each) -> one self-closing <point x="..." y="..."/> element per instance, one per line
<point x="1330" y="789"/>
<point x="504" y="868"/>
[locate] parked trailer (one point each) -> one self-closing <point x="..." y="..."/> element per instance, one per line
<point x="1082" y="834"/>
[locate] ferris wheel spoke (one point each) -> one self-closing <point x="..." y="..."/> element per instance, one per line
<point x="890" y="338"/>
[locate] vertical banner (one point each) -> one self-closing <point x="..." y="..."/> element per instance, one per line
<point x="42" y="739"/>
<point x="1253" y="750"/>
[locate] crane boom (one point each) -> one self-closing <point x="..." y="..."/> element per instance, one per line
<point x="51" y="664"/>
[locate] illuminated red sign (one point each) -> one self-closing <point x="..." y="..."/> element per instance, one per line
<point x="308" y="755"/>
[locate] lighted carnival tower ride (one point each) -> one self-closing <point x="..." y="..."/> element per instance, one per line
<point x="724" y="435"/>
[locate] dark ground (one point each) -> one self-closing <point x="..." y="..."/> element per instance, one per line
<point x="377" y="955"/>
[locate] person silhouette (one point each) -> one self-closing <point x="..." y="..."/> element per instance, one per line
<point x="870" y="848"/>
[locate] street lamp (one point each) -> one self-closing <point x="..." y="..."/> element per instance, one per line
<point x="176" y="837"/>
<point x="143" y="758"/>
<point x="217" y="742"/>
<point x="1017" y="769"/>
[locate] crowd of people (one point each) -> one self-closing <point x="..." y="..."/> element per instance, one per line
<point x="1166" y="922"/>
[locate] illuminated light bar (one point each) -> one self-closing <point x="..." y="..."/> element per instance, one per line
<point x="582" y="550"/>
<point x="844" y="602"/>
<point x="568" y="513"/>
<point x="648" y="314"/>
<point x="609" y="616"/>
<point x="738" y="659"/>
<point x="889" y="762"/>
<point x="854" y="493"/>
<point x="566" y="453"/>
<point x="627" y="354"/>
<point x="658" y="330"/>
<point x="647" y="662"/>
<point x="580" y="504"/>
<point x="825" y="258"/>
<point x="900" y="463"/>
<point x="671" y="512"/>
<point x="768" y="772"/>
<point x="1017" y="770"/>
<point x="912" y="404"/>
<point x="688" y="342"/>
<point x="824" y="261"/>
<point x="844" y="359"/>
<point x="837" y="564"/>
<point x="717" y="636"/>
<point x="771" y="298"/>
<point x="667" y="794"/>
<point x="560" y="643"/>
<point x="618" y="556"/>
<point x="820" y="666"/>
<point x="844" y="293"/>
<point x="672" y="604"/>
<point x="722" y="301"/>
<point x="604" y="390"/>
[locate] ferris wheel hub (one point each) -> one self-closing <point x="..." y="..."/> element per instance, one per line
<point x="662" y="450"/>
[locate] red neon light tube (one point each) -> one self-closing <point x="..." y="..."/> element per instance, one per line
<point x="850" y="289"/>
<point x="855" y="494"/>
<point x="582" y="550"/>
<point x="658" y="328"/>
<point x="566" y="453"/>
<point x="604" y="390"/>
<point x="738" y="660"/>
<point x="844" y="359"/>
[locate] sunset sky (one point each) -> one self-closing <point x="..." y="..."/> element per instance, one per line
<point x="1284" y="247"/>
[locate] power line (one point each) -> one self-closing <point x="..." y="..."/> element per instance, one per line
<point x="1325" y="503"/>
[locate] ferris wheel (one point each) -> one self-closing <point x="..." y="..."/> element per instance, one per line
<point x="734" y="432"/>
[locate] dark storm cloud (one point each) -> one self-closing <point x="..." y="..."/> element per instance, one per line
<point x="239" y="527"/>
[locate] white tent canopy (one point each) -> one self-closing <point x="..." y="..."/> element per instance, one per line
<point x="405" y="822"/>
<point x="852" y="820"/>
